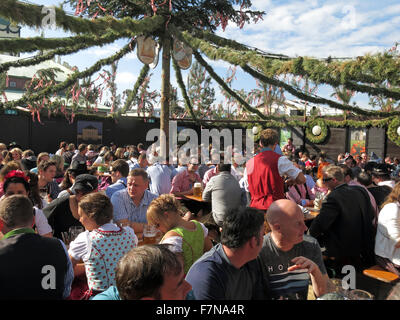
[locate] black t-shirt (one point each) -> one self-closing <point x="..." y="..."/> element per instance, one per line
<point x="380" y="193"/>
<point x="59" y="216"/>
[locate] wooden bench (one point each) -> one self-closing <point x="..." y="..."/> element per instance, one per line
<point x="381" y="274"/>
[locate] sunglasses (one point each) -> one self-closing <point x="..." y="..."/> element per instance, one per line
<point x="326" y="179"/>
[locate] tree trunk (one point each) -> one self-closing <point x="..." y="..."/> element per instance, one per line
<point x="165" y="96"/>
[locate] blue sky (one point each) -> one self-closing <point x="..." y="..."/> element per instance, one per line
<point x="295" y="28"/>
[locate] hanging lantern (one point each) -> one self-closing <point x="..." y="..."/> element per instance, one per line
<point x="153" y="65"/>
<point x="178" y="50"/>
<point x="182" y="54"/>
<point x="255" y="130"/>
<point x="146" y="51"/>
<point x="316" y="130"/>
<point x="398" y="131"/>
<point x="186" y="62"/>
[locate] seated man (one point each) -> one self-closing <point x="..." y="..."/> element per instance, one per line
<point x="130" y="204"/>
<point x="48" y="186"/>
<point x="32" y="267"/>
<point x="62" y="213"/>
<point x="344" y="225"/>
<point x="160" y="175"/>
<point x="230" y="271"/>
<point x="224" y="193"/>
<point x="119" y="173"/>
<point x="150" y="272"/>
<point x="289" y="258"/>
<point x="183" y="184"/>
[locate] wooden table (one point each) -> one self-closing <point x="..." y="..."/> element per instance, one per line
<point x="195" y="198"/>
<point x="311" y="216"/>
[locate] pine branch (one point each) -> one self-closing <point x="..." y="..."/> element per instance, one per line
<point x="70" y="81"/>
<point x="315" y="99"/>
<point x="40" y="58"/>
<point x="39" y="43"/>
<point x="348" y="73"/>
<point x="181" y="84"/>
<point x="242" y="58"/>
<point x="222" y="83"/>
<point x="132" y="95"/>
<point x="31" y="15"/>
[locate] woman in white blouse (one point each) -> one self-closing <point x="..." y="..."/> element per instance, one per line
<point x="387" y="241"/>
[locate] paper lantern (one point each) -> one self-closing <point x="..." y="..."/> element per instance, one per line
<point x="398" y="131"/>
<point x="316" y="130"/>
<point x="146" y="51"/>
<point x="255" y="130"/>
<point x="182" y="54"/>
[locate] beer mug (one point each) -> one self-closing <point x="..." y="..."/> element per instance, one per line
<point x="149" y="234"/>
<point x="197" y="192"/>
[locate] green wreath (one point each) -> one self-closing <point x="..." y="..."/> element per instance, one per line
<point x="324" y="131"/>
<point x="392" y="130"/>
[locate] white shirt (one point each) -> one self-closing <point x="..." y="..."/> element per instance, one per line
<point x="389" y="183"/>
<point x="388" y="233"/>
<point x="285" y="167"/>
<point x="41" y="222"/>
<point x="80" y="248"/>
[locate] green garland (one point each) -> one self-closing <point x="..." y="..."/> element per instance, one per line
<point x="384" y="67"/>
<point x="241" y="58"/>
<point x="31" y="15"/>
<point x="392" y="131"/>
<point x="18" y="45"/>
<point x="324" y="131"/>
<point x="179" y="79"/>
<point x="70" y="81"/>
<point x="128" y="102"/>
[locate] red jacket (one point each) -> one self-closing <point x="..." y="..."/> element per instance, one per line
<point x="265" y="183"/>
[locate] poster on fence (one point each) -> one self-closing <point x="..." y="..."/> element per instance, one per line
<point x="90" y="132"/>
<point x="358" y="138"/>
<point x="285" y="135"/>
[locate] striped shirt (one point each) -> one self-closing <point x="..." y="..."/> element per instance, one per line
<point x="124" y="207"/>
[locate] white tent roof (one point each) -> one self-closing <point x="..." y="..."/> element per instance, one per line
<point x="29" y="72"/>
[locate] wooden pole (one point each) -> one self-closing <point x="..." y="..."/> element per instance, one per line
<point x="165" y="96"/>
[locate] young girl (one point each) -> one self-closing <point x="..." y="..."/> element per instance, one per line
<point x="16" y="182"/>
<point x="188" y="238"/>
<point x="101" y="245"/>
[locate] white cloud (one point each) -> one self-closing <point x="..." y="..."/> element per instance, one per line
<point x="104" y="51"/>
<point x="125" y="77"/>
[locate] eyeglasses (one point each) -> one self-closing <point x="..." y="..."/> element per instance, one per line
<point x="326" y="179"/>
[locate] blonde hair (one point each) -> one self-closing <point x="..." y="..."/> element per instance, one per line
<point x="393" y="196"/>
<point x="60" y="162"/>
<point x="18" y="150"/>
<point x="164" y="203"/>
<point x="40" y="156"/>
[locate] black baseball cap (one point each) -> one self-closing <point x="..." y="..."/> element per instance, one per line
<point x="85" y="183"/>
<point x="381" y="169"/>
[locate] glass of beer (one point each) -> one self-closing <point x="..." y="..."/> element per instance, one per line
<point x="149" y="234"/>
<point x="197" y="192"/>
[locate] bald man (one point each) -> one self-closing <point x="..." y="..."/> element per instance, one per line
<point x="290" y="258"/>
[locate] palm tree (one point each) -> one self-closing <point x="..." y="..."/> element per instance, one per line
<point x="344" y="95"/>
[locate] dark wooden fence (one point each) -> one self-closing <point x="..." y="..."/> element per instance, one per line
<point x="47" y="135"/>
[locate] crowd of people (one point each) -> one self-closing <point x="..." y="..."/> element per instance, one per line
<point x="245" y="238"/>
